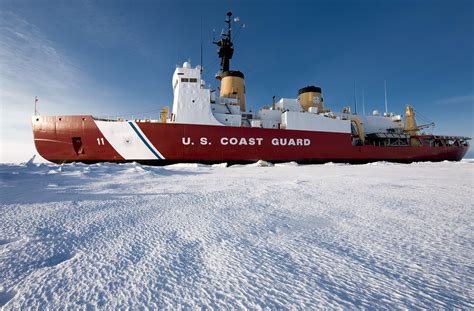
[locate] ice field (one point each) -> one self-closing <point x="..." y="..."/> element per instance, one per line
<point x="289" y="236"/>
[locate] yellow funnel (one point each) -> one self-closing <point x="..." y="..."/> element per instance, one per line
<point x="233" y="86"/>
<point x="310" y="96"/>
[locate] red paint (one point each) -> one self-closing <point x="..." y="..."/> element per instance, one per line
<point x="54" y="135"/>
<point x="54" y="141"/>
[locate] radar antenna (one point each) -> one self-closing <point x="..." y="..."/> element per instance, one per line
<point x="226" y="47"/>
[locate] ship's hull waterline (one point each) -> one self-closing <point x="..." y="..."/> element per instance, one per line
<point x="63" y="139"/>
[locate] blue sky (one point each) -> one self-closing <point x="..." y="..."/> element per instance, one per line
<point x="116" y="58"/>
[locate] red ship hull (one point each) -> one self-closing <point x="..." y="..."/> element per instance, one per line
<point x="62" y="139"/>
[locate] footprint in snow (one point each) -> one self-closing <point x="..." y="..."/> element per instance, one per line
<point x="8" y="241"/>
<point x="58" y="259"/>
<point x="6" y="296"/>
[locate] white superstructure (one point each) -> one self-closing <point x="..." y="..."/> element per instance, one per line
<point x="191" y="103"/>
<point x="195" y="104"/>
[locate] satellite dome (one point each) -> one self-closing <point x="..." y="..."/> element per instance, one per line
<point x="187" y="65"/>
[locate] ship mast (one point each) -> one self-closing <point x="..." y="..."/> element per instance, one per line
<point x="226" y="47"/>
<point x="232" y="81"/>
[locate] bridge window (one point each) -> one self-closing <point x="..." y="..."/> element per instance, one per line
<point x="184" y="80"/>
<point x="193" y="80"/>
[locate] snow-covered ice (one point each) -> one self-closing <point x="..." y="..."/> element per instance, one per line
<point x="380" y="235"/>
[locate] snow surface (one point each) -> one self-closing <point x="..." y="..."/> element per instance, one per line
<point x="379" y="235"/>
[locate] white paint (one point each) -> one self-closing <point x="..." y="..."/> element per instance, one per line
<point x="313" y="122"/>
<point x="269" y="115"/>
<point x="291" y="104"/>
<point x="378" y="124"/>
<point x="291" y="142"/>
<point x="227" y="111"/>
<point x="270" y="118"/>
<point x="125" y="140"/>
<point x="150" y="144"/>
<point x="191" y="102"/>
<point x="313" y="110"/>
<point x="241" y="141"/>
<point x="256" y="123"/>
<point x="229" y="119"/>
